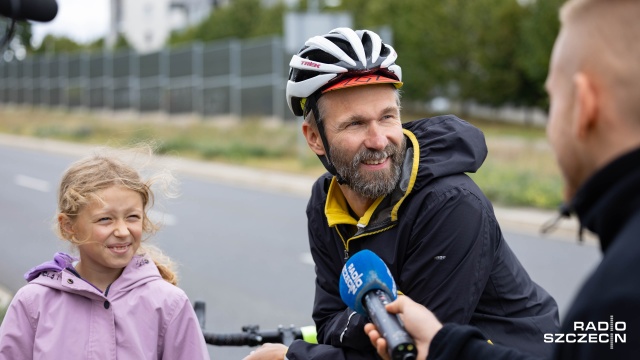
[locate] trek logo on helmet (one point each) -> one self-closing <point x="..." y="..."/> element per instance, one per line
<point x="310" y="63"/>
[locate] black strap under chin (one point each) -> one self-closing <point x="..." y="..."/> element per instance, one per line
<point x="312" y="104"/>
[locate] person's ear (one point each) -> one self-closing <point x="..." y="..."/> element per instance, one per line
<point x="66" y="226"/>
<point x="585" y="105"/>
<point x="313" y="138"/>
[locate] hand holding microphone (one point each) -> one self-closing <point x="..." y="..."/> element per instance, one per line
<point x="366" y="286"/>
<point x="419" y="322"/>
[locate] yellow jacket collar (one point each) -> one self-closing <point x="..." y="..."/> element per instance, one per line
<point x="337" y="210"/>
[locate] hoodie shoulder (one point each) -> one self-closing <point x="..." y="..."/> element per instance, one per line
<point x="448" y="145"/>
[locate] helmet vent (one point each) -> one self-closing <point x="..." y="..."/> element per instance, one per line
<point x="321" y="56"/>
<point x="367" y="45"/>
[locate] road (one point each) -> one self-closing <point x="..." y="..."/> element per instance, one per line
<point x="241" y="250"/>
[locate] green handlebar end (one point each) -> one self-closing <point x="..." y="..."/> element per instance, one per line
<point x="309" y="334"/>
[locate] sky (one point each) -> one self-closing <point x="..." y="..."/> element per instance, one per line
<point x="81" y="20"/>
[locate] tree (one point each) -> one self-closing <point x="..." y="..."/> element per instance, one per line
<point x="491" y="51"/>
<point x="52" y="45"/>
<point x="495" y="77"/>
<point x="420" y="48"/>
<point x="241" y="19"/>
<point x="539" y="29"/>
<point x="24" y="33"/>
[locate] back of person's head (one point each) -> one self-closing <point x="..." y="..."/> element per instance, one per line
<point x="83" y="181"/>
<point x="606" y="34"/>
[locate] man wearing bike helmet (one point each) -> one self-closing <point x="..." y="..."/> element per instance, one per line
<point x="400" y="190"/>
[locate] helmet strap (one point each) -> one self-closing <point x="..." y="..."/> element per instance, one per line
<point x="312" y="104"/>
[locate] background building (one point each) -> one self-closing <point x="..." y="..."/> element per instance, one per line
<point x="147" y="24"/>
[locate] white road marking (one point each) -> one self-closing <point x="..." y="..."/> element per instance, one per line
<point x="32" y="183"/>
<point x="306" y="258"/>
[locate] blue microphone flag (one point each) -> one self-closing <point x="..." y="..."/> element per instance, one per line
<point x="364" y="272"/>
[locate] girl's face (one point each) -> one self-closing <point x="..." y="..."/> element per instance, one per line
<point x="110" y="232"/>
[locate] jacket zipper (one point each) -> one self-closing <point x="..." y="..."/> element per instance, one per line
<point x="346" y="243"/>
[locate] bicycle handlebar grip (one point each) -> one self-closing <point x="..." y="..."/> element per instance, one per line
<point x="241" y="339"/>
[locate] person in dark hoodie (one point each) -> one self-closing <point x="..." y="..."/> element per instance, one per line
<point x="400" y="190"/>
<point x="594" y="129"/>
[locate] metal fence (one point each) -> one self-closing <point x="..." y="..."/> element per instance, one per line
<point x="242" y="78"/>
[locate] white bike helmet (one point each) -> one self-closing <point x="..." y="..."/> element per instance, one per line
<point x="342" y="58"/>
<point x="327" y="61"/>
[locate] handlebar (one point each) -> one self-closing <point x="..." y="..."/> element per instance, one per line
<point x="251" y="334"/>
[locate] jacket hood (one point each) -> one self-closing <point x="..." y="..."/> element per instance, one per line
<point x="445" y="145"/>
<point x="60" y="262"/>
<point x="59" y="274"/>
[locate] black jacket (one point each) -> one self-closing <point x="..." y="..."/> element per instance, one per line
<point x="608" y="204"/>
<point x="438" y="235"/>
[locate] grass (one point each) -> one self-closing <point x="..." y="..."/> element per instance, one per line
<point x="519" y="170"/>
<point x="520" y="173"/>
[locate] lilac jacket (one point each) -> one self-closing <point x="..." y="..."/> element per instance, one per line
<point x="141" y="316"/>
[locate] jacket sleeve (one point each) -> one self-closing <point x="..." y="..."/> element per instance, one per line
<point x="183" y="338"/>
<point x="465" y="342"/>
<point x="300" y="350"/>
<point x="17" y="332"/>
<point x="450" y="253"/>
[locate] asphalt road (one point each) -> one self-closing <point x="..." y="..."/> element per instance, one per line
<point x="241" y="250"/>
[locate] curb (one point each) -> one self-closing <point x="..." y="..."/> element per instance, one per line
<point x="530" y="220"/>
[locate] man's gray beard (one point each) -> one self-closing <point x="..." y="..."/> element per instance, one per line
<point x="371" y="184"/>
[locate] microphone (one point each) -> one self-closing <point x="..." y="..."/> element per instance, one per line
<point x="34" y="10"/>
<point x="366" y="286"/>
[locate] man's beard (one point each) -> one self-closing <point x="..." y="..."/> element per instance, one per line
<point x="370" y="184"/>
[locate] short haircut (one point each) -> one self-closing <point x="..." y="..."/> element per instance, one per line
<point x="607" y="32"/>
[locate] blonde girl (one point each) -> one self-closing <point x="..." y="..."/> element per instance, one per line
<point x="118" y="299"/>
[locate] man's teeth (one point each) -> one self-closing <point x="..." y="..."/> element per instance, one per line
<point x="374" y="162"/>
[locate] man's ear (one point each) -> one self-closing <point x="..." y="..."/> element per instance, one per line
<point x="313" y="138"/>
<point x="66" y="226"/>
<point x="585" y="105"/>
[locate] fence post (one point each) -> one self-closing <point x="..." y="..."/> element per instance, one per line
<point x="85" y="76"/>
<point x="64" y="81"/>
<point x="235" y="80"/>
<point x="165" y="82"/>
<point x="134" y="81"/>
<point x="197" y="88"/>
<point x="278" y="77"/>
